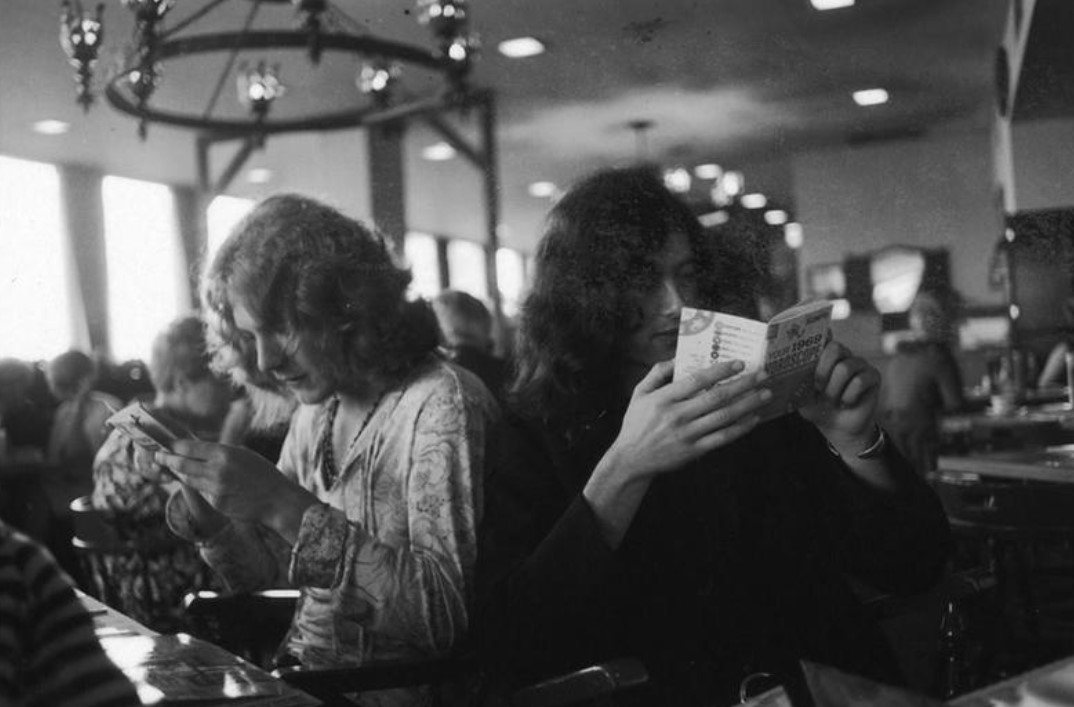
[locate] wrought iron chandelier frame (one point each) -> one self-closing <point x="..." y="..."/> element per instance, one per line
<point x="153" y="46"/>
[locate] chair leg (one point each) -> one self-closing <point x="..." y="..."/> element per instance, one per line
<point x="952" y="633"/>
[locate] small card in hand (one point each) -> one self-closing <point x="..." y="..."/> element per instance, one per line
<point x="144" y="429"/>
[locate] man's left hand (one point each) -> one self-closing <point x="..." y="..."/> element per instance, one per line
<point x="844" y="410"/>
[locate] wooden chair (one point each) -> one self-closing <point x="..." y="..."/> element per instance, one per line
<point x="941" y="642"/>
<point x="614" y="682"/>
<point x="456" y="682"/>
<point x="99" y="535"/>
<point x="251" y="625"/>
<point x="452" y="680"/>
<point x="1023" y="532"/>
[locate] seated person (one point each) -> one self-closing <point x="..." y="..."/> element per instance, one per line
<point x="78" y="431"/>
<point x="657" y="519"/>
<point x="78" y="428"/>
<point x="373" y="508"/>
<point x="921" y="382"/>
<point x="1054" y="370"/>
<point x="133" y="488"/>
<point x="49" y="652"/>
<point x="24" y="421"/>
<point x="466" y="331"/>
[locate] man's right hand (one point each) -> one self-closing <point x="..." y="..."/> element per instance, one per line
<point x="668" y="425"/>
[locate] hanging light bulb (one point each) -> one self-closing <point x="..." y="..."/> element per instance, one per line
<point x="143" y="81"/>
<point x="148" y="10"/>
<point x="259" y="87"/>
<point x="81" y="38"/>
<point x="677" y="180"/>
<point x="448" y="21"/>
<point x="377" y="78"/>
<point x="446" y="18"/>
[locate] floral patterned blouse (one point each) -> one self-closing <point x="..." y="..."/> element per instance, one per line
<point x="149" y="585"/>
<point x="386" y="563"/>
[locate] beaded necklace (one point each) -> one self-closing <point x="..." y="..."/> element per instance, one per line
<point x="331" y="470"/>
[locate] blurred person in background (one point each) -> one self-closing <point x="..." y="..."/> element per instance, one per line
<point x="133" y="489"/>
<point x="466" y="331"/>
<point x="24" y="421"/>
<point x="922" y="381"/>
<point x="78" y="431"/>
<point x="78" y="427"/>
<point x="1054" y="370"/>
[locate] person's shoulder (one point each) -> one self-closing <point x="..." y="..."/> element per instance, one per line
<point x="115" y="446"/>
<point x="438" y="378"/>
<point x="105" y="400"/>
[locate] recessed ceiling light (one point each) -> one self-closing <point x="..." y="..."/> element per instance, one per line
<point x="438" y="152"/>
<point x="775" y="217"/>
<point x="51" y="127"/>
<point x="542" y="190"/>
<point x="259" y="175"/>
<point x="792" y="235"/>
<point x="521" y="47"/>
<point x="754" y="201"/>
<point x="870" y="97"/>
<point x="830" y="4"/>
<point x="677" y="180"/>
<point x="840" y="309"/>
<point x="714" y="218"/>
<point x="733" y="183"/>
<point x="707" y="171"/>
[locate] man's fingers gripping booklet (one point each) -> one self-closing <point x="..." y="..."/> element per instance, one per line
<point x="787" y="348"/>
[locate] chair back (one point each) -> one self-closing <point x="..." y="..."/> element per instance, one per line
<point x="452" y="680"/>
<point x="249" y="624"/>
<point x="103" y="541"/>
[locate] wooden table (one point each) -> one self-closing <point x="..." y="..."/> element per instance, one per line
<point x="169" y="669"/>
<point x="1022" y="416"/>
<point x="1024" y="427"/>
<point x="1051" y="464"/>
<point x="1051" y="685"/>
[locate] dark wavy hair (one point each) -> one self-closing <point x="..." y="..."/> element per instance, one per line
<point x="594" y="264"/>
<point x="303" y="267"/>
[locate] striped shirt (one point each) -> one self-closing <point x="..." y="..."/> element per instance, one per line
<point x="49" y="653"/>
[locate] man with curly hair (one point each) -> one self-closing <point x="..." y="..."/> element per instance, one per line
<point x="373" y="508"/>
<point x="659" y="519"/>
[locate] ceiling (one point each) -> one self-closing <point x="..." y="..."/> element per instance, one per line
<point x="743" y="83"/>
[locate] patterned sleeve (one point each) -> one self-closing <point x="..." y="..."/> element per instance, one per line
<point x="246" y="556"/>
<point x="62" y="662"/>
<point x="419" y="592"/>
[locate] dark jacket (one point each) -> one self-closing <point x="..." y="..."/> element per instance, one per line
<point x="733" y="565"/>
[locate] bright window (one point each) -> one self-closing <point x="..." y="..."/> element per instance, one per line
<point x="466" y="267"/>
<point x="421" y="256"/>
<point x="35" y="315"/>
<point x="221" y="216"/>
<point x="511" y="277"/>
<point x="147" y="280"/>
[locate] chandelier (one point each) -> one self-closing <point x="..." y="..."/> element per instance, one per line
<point x="377" y="67"/>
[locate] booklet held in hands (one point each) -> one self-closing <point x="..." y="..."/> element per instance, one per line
<point x="145" y="429"/>
<point x="787" y="348"/>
